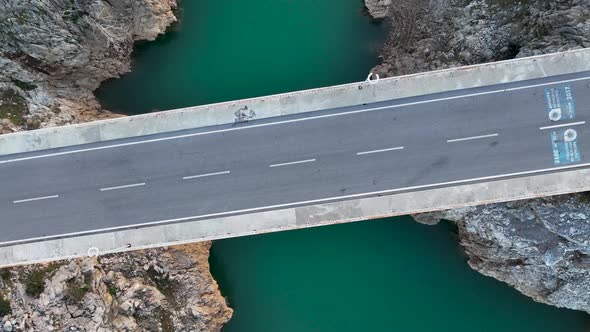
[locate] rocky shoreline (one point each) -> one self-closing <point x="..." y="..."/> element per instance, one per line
<point x="541" y="247"/>
<point x="53" y="55"/>
<point x="165" y="289"/>
<point x="435" y="34"/>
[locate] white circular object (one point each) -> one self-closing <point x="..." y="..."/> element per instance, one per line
<point x="93" y="252"/>
<point x="371" y="80"/>
<point x="570" y="135"/>
<point x="555" y="114"/>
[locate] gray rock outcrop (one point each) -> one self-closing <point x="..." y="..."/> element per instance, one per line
<point x="54" y="53"/>
<point x="151" y="290"/>
<point x="434" y="34"/>
<point x="541" y="247"/>
<point x="379" y="8"/>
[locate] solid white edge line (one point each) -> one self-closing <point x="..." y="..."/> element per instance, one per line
<point x="293" y="163"/>
<point x="123" y="187"/>
<point x="34" y="199"/>
<point x="470" y="138"/>
<point x="295" y="120"/>
<point x="204" y="175"/>
<point x="380" y="150"/>
<point x="286" y="205"/>
<point x="563" y="125"/>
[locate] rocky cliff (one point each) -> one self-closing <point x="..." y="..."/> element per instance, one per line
<point x="434" y="34"/>
<point x="54" y="53"/>
<point x="542" y="246"/>
<point x="152" y="290"/>
<point x="539" y="246"/>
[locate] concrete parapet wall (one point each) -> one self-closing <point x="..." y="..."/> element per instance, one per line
<point x="299" y="217"/>
<point x="298" y="102"/>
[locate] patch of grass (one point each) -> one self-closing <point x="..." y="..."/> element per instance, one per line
<point x="112" y="290"/>
<point x="35" y="283"/>
<point x="51" y="268"/>
<point x="5" y="308"/>
<point x="24" y="85"/>
<point x="5" y="275"/>
<point x="35" y="280"/>
<point x="13" y="107"/>
<point x="21" y="18"/>
<point x="77" y="289"/>
<point x="75" y="292"/>
<point x="585" y="197"/>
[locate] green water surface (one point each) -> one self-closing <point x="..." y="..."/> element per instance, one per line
<point x="385" y="275"/>
<point x="382" y="275"/>
<point x="232" y="49"/>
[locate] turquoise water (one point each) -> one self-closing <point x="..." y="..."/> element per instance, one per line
<point x="233" y="49"/>
<point x="382" y="275"/>
<point x="385" y="275"/>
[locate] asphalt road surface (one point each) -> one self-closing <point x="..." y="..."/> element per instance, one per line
<point x="444" y="139"/>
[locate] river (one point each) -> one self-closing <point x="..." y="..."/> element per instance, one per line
<point x="382" y="275"/>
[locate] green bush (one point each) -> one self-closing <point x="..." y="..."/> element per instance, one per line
<point x="77" y="289"/>
<point x="5" y="275"/>
<point x="24" y="85"/>
<point x="75" y="292"/>
<point x="35" y="283"/>
<point x="35" y="280"/>
<point x="112" y="290"/>
<point x="4" y="307"/>
<point x="13" y="107"/>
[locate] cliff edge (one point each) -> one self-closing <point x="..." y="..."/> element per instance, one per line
<point x="427" y="35"/>
<point x="165" y="289"/>
<point x="54" y="53"/>
<point x="539" y="246"/>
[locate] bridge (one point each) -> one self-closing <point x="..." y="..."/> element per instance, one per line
<point x="438" y="140"/>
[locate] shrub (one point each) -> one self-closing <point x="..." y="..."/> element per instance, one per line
<point x="35" y="283"/>
<point x="4" y="307"/>
<point x="112" y="290"/>
<point x="13" y="107"/>
<point x="5" y="275"/>
<point x="75" y="292"/>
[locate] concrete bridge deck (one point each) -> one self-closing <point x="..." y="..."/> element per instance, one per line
<point x="411" y="144"/>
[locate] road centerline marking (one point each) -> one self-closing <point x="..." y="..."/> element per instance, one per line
<point x="123" y="187"/>
<point x="379" y="150"/>
<point x="470" y="138"/>
<point x="216" y="131"/>
<point x="204" y="175"/>
<point x="34" y="199"/>
<point x="293" y="163"/>
<point x="563" y="125"/>
<point x="288" y="205"/>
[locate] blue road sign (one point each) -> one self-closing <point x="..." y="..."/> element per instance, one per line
<point x="560" y="103"/>
<point x="565" y="146"/>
